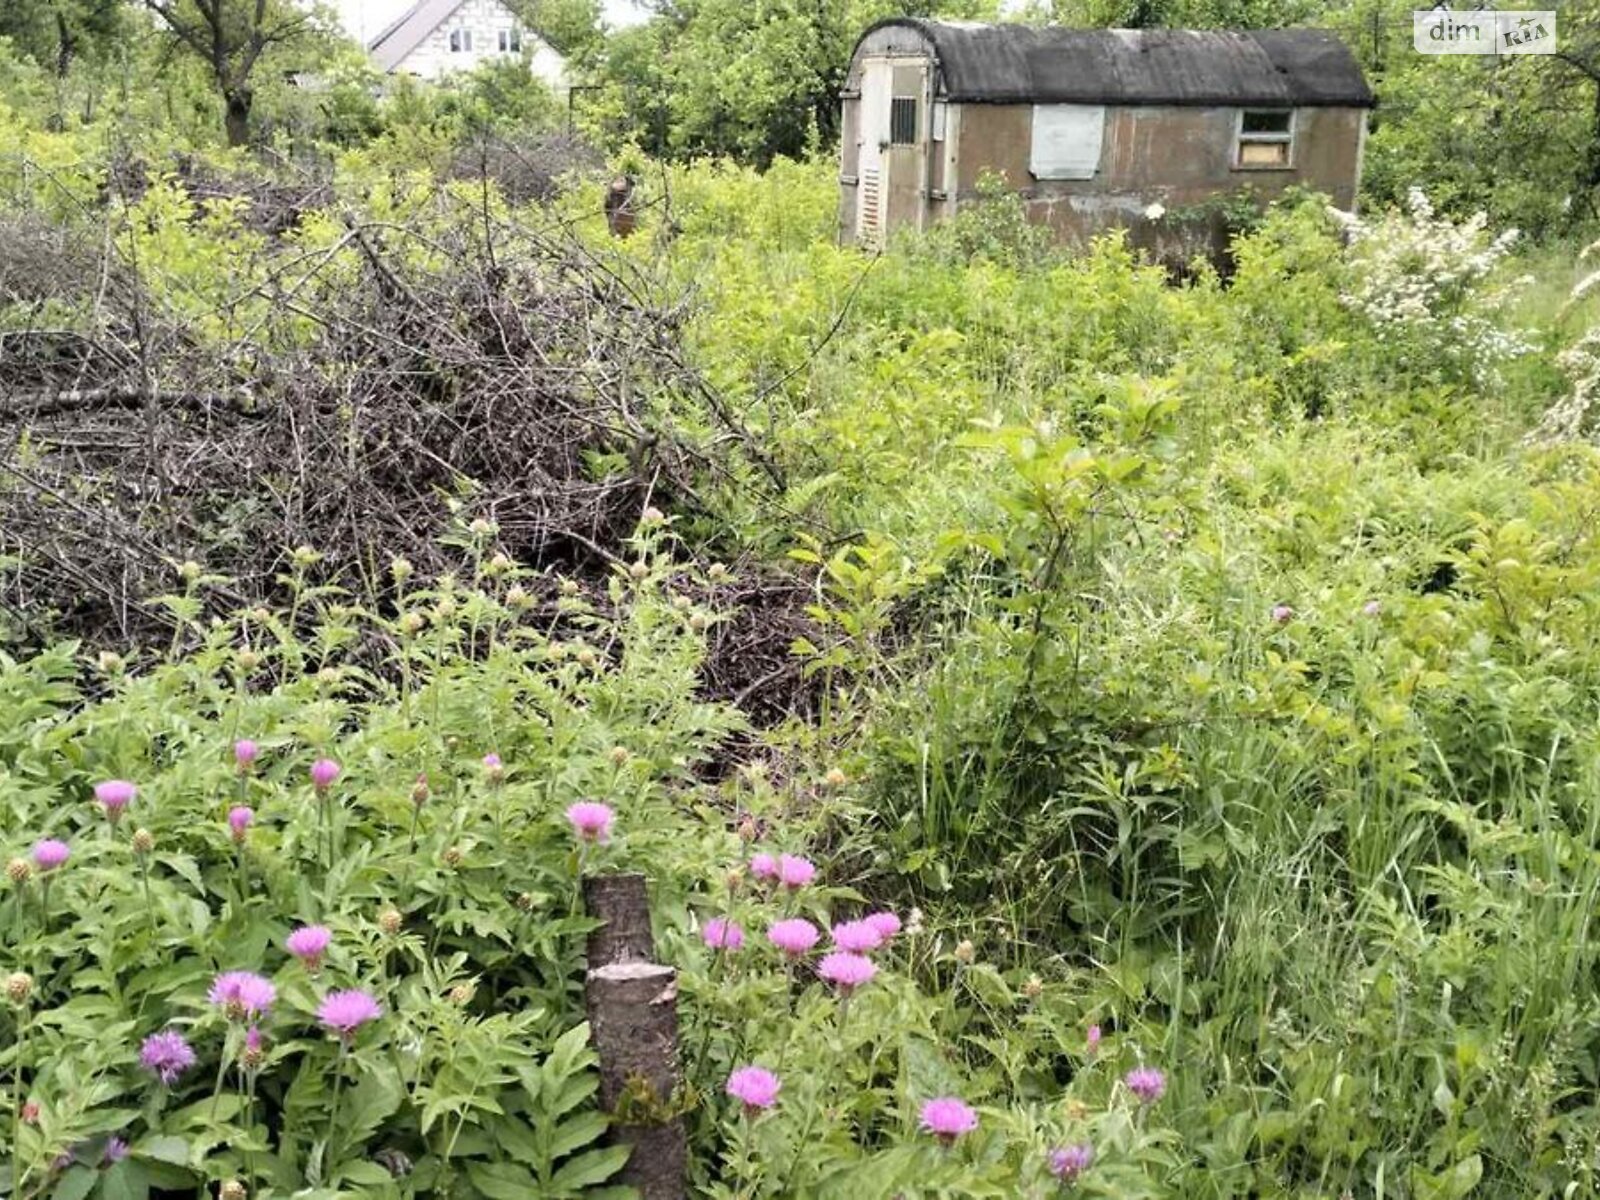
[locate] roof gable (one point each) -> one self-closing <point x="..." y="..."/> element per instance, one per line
<point x="409" y="31"/>
<point x="1019" y="64"/>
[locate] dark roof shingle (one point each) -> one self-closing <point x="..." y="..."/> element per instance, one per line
<point x="1020" y="64"/>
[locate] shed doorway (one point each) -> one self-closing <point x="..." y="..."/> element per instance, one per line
<point x="893" y="139"/>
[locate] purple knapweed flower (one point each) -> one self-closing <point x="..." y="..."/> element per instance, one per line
<point x="255" y="1049"/>
<point x="1147" y="1083"/>
<point x="846" y="971"/>
<point x="722" y="934"/>
<point x="167" y="1055"/>
<point x="764" y="866"/>
<point x="240" y="818"/>
<point x="345" y="1012"/>
<point x="1372" y="608"/>
<point x="858" y="937"/>
<point x="795" y="872"/>
<point x="242" y="994"/>
<point x="323" y="772"/>
<point x="1282" y="614"/>
<point x="244" y="753"/>
<point x="493" y="767"/>
<point x="309" y="943"/>
<point x="1068" y="1162"/>
<point x="1092" y="1039"/>
<point x="116" y="1150"/>
<point x="754" y="1087"/>
<point x="115" y="795"/>
<point x="591" y="820"/>
<point x="793" y="936"/>
<point x="50" y="853"/>
<point x="947" y="1118"/>
<point x="886" y="923"/>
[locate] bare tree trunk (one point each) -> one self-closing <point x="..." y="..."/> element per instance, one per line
<point x="622" y="905"/>
<point x="633" y="1021"/>
<point x="236" y="118"/>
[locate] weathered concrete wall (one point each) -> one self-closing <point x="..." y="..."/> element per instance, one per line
<point x="1172" y="156"/>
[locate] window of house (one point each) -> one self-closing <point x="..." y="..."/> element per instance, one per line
<point x="902" y="121"/>
<point x="1266" y="138"/>
<point x="1066" y="140"/>
<point x="511" y="41"/>
<point x="461" y="41"/>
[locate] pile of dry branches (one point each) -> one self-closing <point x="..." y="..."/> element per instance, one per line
<point x="469" y="365"/>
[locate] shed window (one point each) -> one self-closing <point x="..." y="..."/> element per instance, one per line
<point x="1066" y="140"/>
<point x="511" y="41"/>
<point x="461" y="41"/>
<point x="903" y="121"/>
<point x="1266" y="138"/>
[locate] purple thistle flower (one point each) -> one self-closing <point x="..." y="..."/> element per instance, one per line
<point x="846" y="971"/>
<point x="116" y="1150"/>
<point x="50" y="853"/>
<point x="345" y="1012"/>
<point x="886" y="923"/>
<point x="722" y="934"/>
<point x="755" y="1088"/>
<point x="1372" y="608"/>
<point x="591" y="820"/>
<point x="167" y="1055"/>
<point x="240" y="818"/>
<point x="1147" y="1083"/>
<point x="795" y="872"/>
<point x="947" y="1118"/>
<point x="323" y="772"/>
<point x="1068" y="1162"/>
<point x="764" y="866"/>
<point x="308" y="944"/>
<point x="244" y="753"/>
<point x="793" y="936"/>
<point x="1282" y="614"/>
<point x="857" y="937"/>
<point x="115" y="795"/>
<point x="242" y="994"/>
<point x="1092" y="1039"/>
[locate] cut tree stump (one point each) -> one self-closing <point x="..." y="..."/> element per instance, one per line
<point x="623" y="907"/>
<point x="633" y="1022"/>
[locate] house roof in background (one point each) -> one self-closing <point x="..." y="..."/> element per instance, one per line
<point x="409" y="30"/>
<point x="1016" y="64"/>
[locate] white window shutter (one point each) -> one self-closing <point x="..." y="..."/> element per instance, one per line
<point x="1067" y="140"/>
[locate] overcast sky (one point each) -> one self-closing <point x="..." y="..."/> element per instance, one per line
<point x="364" y="18"/>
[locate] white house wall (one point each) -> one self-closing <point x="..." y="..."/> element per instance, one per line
<point x="433" y="57"/>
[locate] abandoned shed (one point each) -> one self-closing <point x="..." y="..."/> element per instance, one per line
<point x="1095" y="128"/>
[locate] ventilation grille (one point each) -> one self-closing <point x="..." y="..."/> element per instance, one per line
<point x="871" y="231"/>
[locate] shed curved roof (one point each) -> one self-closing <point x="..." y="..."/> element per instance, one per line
<point x="1021" y="64"/>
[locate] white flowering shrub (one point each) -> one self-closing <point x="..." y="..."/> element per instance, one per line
<point x="1574" y="416"/>
<point x="1429" y="284"/>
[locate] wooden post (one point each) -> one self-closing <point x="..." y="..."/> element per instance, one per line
<point x="622" y="905"/>
<point x="633" y="1022"/>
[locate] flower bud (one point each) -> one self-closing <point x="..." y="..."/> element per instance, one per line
<point x="698" y="622"/>
<point x="569" y="587"/>
<point x="652" y="516"/>
<point x="639" y="570"/>
<point x="248" y="660"/>
<point x="19" y="986"/>
<point x="587" y="659"/>
<point x="19" y="871"/>
<point x="461" y="995"/>
<point x="965" y="952"/>
<point x="390" y="920"/>
<point x="30" y="1113"/>
<point x="411" y="623"/>
<point x="453" y="856"/>
<point x="735" y="877"/>
<point x="328" y="676"/>
<point x="143" y="842"/>
<point x="499" y="564"/>
<point x="446" y="608"/>
<point x="481" y="527"/>
<point x="420" y="791"/>
<point x="717" y="572"/>
<point x="260" y="615"/>
<point x="681" y="602"/>
<point x="188" y="570"/>
<point x="517" y="596"/>
<point x="835" y="778"/>
<point x="304" y="556"/>
<point x="619" y="756"/>
<point x="747" y="830"/>
<point x="401" y="569"/>
<point x="1033" y="988"/>
<point x="524" y="902"/>
<point x="231" y="1189"/>
<point x="109" y="663"/>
